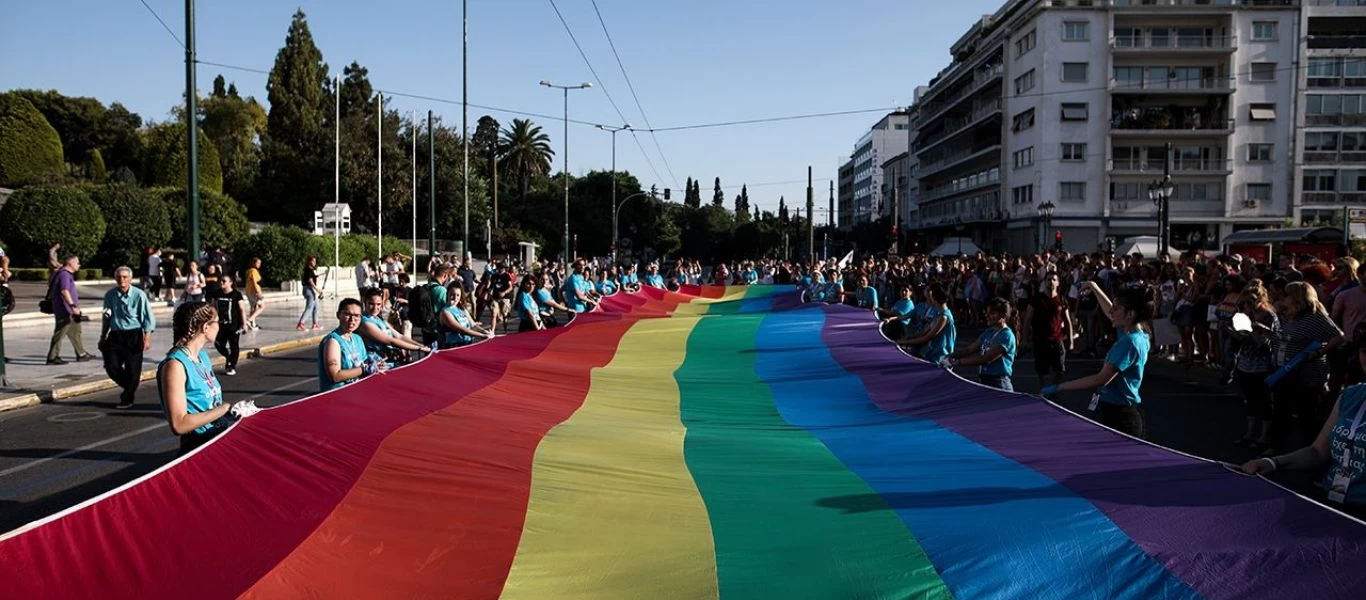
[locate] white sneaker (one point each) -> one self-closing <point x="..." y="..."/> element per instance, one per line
<point x="230" y="371"/>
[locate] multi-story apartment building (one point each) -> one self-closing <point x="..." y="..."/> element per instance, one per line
<point x="1330" y="132"/>
<point x="886" y="138"/>
<point x="1073" y="102"/>
<point x="845" y="199"/>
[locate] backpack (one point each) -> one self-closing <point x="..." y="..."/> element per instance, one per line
<point x="421" y="307"/>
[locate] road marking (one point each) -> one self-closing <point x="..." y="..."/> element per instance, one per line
<point x="123" y="436"/>
<point x="75" y="417"/>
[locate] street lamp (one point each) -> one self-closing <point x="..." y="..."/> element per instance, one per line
<point x="582" y="86"/>
<point x="958" y="229"/>
<point x="1161" y="192"/>
<point x="1046" y="211"/>
<point x="613" y="130"/>
<point x="616" y="210"/>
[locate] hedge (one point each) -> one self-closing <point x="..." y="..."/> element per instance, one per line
<point x="222" y="220"/>
<point x="133" y="220"/>
<point x="30" y="149"/>
<point x="283" y="248"/>
<point x="36" y="217"/>
<point x="165" y="162"/>
<point x="41" y="274"/>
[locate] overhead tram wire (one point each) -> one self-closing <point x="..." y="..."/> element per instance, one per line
<point x="630" y="86"/>
<point x="163" y="23"/>
<point x="598" y="79"/>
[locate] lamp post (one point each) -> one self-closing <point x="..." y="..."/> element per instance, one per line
<point x="613" y="130"/>
<point x="958" y="229"/>
<point x="1046" y="211"/>
<point x="582" y="86"/>
<point x="616" y="210"/>
<point x="1161" y="192"/>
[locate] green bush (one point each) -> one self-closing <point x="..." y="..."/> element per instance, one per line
<point x="165" y="162"/>
<point x="282" y="250"/>
<point x="94" y="167"/>
<point x="36" y="217"/>
<point x="222" y="220"/>
<point x="30" y="149"/>
<point x="133" y="220"/>
<point x="41" y="274"/>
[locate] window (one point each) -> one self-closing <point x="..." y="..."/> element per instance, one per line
<point x="1072" y="191"/>
<point x="1074" y="111"/>
<point x="1025" y="43"/>
<point x="1074" y="72"/>
<point x="1320" y="180"/>
<point x="1262" y="71"/>
<point x="1263" y="30"/>
<point x="1130" y="77"/>
<point x="1024" y="158"/>
<point x="1022" y="195"/>
<point x="1321" y="141"/>
<point x="1023" y="121"/>
<point x="1263" y="111"/>
<point x="1074" y="31"/>
<point x="1259" y="152"/>
<point x="1074" y="152"/>
<point x="1259" y="192"/>
<point x="1025" y="82"/>
<point x="1325" y="67"/>
<point x="1127" y="192"/>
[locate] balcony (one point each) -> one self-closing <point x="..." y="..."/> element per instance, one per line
<point x="1202" y="85"/>
<point x="1135" y="207"/>
<point x="1182" y="44"/>
<point x="928" y="168"/>
<point x="1342" y="157"/>
<point x="1335" y="120"/>
<point x="937" y="108"/>
<point x="950" y="190"/>
<point x="1159" y="122"/>
<point x="1339" y="198"/>
<point x="1188" y="166"/>
<point x="953" y="127"/>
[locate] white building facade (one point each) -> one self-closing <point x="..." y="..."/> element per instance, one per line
<point x="887" y="138"/>
<point x="1330" y="121"/>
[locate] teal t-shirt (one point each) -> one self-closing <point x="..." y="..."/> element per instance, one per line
<point x="453" y="337"/>
<point x="867" y="297"/>
<point x="378" y="323"/>
<point x="919" y="318"/>
<point x="606" y="287"/>
<point x="904" y="307"/>
<point x="352" y="356"/>
<point x="941" y="345"/>
<point x="438" y="300"/>
<point x="1338" y="441"/>
<point x="202" y="392"/>
<point x="572" y="286"/>
<point x="543" y="298"/>
<point x="1128" y="355"/>
<point x="526" y="306"/>
<point x="1005" y="338"/>
<point x="655" y="281"/>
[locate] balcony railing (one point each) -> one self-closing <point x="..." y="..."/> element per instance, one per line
<point x="950" y="190"/>
<point x="1335" y="156"/>
<point x="1188" y="166"/>
<point x="1146" y="3"/>
<point x="929" y="167"/>
<point x="1335" y="81"/>
<point x="1332" y="197"/>
<point x="953" y="127"/>
<point x="1142" y="207"/>
<point x="1175" y="42"/>
<point x="934" y="109"/>
<point x="1202" y="84"/>
<point x="1331" y="120"/>
<point x="1163" y="120"/>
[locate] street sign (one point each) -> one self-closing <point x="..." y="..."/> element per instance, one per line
<point x="1356" y="223"/>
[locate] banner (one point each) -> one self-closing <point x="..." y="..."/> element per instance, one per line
<point x="719" y="442"/>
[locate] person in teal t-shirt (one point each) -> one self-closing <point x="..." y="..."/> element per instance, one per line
<point x="457" y="328"/>
<point x="994" y="350"/>
<point x="1118" y="381"/>
<point x="342" y="358"/>
<point x="865" y="295"/>
<point x="191" y="397"/>
<point x="528" y="309"/>
<point x="896" y="319"/>
<point x="940" y="334"/>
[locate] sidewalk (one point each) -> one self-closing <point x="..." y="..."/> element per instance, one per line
<point x="32" y="381"/>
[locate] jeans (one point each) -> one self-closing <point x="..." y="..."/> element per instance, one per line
<point x="69" y="328"/>
<point x="1000" y="382"/>
<point x="229" y="344"/>
<point x="123" y="361"/>
<point x="310" y="306"/>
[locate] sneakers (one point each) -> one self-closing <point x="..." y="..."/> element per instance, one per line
<point x="230" y="371"/>
<point x="124" y="405"/>
<point x="317" y="326"/>
<point x="300" y="327"/>
<point x="55" y="361"/>
<point x="85" y="357"/>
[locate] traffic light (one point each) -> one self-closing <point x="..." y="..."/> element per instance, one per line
<point x="1057" y="241"/>
<point x="666" y="193"/>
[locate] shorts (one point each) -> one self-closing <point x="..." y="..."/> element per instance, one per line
<point x="1125" y="418"/>
<point x="1000" y="382"/>
<point x="254" y="302"/>
<point x="1049" y="357"/>
<point x="503" y="306"/>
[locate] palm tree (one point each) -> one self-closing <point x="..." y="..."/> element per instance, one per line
<point x="526" y="152"/>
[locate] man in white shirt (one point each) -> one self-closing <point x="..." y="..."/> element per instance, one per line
<point x="364" y="276"/>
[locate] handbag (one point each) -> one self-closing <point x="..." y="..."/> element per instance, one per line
<point x="45" y="305"/>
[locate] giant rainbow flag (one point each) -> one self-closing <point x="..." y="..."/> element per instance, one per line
<point x="722" y="442"/>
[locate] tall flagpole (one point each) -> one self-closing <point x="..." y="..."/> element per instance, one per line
<point x="336" y="186"/>
<point x="379" y="175"/>
<point x="465" y="117"/>
<point x="412" y="122"/>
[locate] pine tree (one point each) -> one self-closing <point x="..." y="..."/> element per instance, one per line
<point x="690" y="195"/>
<point x="717" y="196"/>
<point x="782" y="209"/>
<point x="296" y="149"/>
<point x="744" y="196"/>
<point x="219" y="89"/>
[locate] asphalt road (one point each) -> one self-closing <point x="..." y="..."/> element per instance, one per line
<point x="57" y="455"/>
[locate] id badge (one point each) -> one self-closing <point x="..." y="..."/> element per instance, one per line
<point x="1337" y="492"/>
<point x="1095" y="402"/>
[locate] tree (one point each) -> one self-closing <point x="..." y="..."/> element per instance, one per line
<point x="219" y="87"/>
<point x="526" y="153"/>
<point x="450" y="187"/>
<point x="687" y="194"/>
<point x="295" y="157"/>
<point x="84" y="124"/>
<point x="744" y="196"/>
<point x="234" y="125"/>
<point x="741" y="211"/>
<point x="38" y="216"/>
<point x="718" y="197"/>
<point x="166" y="163"/>
<point x="133" y="220"/>
<point x="30" y="149"/>
<point x="222" y="220"/>
<point x="94" y="167"/>
<point x="782" y="209"/>
<point x="487" y="147"/>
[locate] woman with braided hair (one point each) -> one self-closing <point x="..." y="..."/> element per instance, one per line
<point x="190" y="395"/>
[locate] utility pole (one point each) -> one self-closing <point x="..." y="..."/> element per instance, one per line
<point x="192" y="134"/>
<point x="431" y="193"/>
<point x="379" y="176"/>
<point x="830" y="216"/>
<point x="896" y="218"/>
<point x="810" y="216"/>
<point x="465" y="119"/>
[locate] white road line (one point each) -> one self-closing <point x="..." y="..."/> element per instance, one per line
<point x="123" y="436"/>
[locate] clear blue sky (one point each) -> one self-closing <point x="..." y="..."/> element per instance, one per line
<point x="700" y="61"/>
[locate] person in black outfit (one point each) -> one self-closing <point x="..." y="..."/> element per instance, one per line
<point x="230" y="304"/>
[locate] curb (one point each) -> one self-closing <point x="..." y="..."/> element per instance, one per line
<point x="89" y="387"/>
<point x="36" y="319"/>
